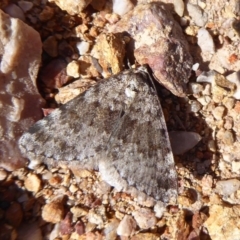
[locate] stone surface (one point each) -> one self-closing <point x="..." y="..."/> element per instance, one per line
<point x="160" y="43"/>
<point x="20" y="50"/>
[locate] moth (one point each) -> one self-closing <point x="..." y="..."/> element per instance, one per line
<point x="116" y="127"/>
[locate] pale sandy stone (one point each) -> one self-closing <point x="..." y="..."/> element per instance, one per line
<point x="32" y="183"/>
<point x="223" y="222"/>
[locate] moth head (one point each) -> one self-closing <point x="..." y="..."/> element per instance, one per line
<point x="131" y="89"/>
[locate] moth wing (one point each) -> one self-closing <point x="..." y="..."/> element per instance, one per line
<point x="139" y="159"/>
<point x="79" y="130"/>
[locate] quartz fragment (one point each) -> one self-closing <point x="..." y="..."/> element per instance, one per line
<point x="20" y="105"/>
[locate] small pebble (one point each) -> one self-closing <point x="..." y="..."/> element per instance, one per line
<point x="227" y="187"/>
<point x="145" y="218"/>
<point x="3" y="174"/>
<point x="25" y="5"/>
<point x="73" y="69"/>
<point x="127" y="226"/>
<point x="197" y="14"/>
<point x="83" y="47"/>
<point x="53" y="212"/>
<point x="236" y="166"/>
<point x="218" y="112"/>
<point x="32" y="183"/>
<point x="195" y="88"/>
<point x="195" y="106"/>
<point x="121" y="7"/>
<point x="110" y="230"/>
<point x="205" y="41"/>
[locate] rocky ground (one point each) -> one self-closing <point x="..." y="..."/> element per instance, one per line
<point x="82" y="44"/>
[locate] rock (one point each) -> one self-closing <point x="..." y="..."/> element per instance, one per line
<point x="14" y="11"/>
<point x="145" y="236"/>
<point x="127" y="226"/>
<point x="3" y="174"/>
<point x="195" y="88"/>
<point x="29" y="231"/>
<point x="110" y="230"/>
<point x="53" y="212"/>
<point x="32" y="183"/>
<point x="72" y="90"/>
<point x="97" y="215"/>
<point x="206" y="43"/>
<point x="198" y="16"/>
<point x="72" y="6"/>
<point x="223" y="222"/>
<point x="145" y="218"/>
<point x="14" y="214"/>
<point x="160" y="43"/>
<point x="159" y="209"/>
<point x="178" y="7"/>
<point x="195" y="106"/>
<point x="78" y="212"/>
<point x="83" y="47"/>
<point x="54" y="75"/>
<point x="218" y="112"/>
<point x="55" y="232"/>
<point x="227" y="187"/>
<point x="20" y="101"/>
<point x="73" y="69"/>
<point x="235" y="78"/>
<point x="110" y="52"/>
<point x="25" y="5"/>
<point x="50" y="46"/>
<point x="66" y="227"/>
<point x="182" y="141"/>
<point x="226" y="137"/>
<point x="121" y="7"/>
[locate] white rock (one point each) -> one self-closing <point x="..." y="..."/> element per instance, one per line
<point x="196" y="13"/>
<point x="15" y="11"/>
<point x="195" y="66"/>
<point x="127" y="226"/>
<point x="159" y="209"/>
<point x="205" y="41"/>
<point x="182" y="141"/>
<point x="83" y="47"/>
<point x="179" y="7"/>
<point x="227" y="187"/>
<point x="235" y="78"/>
<point x="121" y="7"/>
